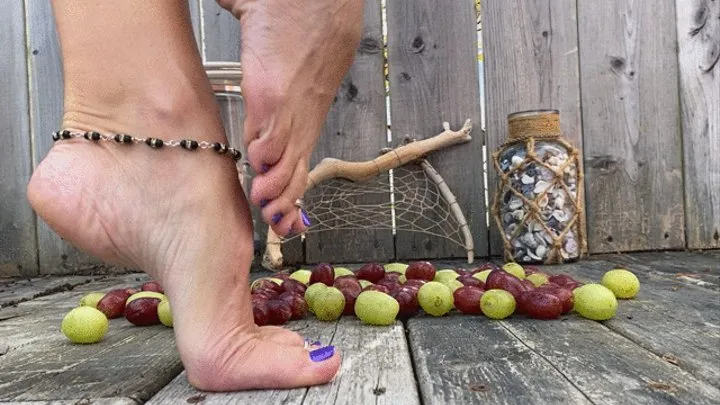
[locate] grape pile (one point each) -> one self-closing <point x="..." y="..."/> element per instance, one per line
<point x="378" y="295"/>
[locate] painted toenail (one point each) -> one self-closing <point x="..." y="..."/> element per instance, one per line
<point x="322" y="353"/>
<point x="277" y="217"/>
<point x="312" y="343"/>
<point x="263" y="203"/>
<point x="305" y="218"/>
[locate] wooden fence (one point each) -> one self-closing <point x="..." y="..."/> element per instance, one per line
<point x="637" y="84"/>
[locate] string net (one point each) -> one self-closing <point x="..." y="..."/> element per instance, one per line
<point x="403" y="199"/>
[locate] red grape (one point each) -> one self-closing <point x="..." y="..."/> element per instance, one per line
<point x="377" y="287"/>
<point x="291" y="285"/>
<point x="279" y="312"/>
<point x="268" y="294"/>
<point x="471" y="281"/>
<point x="281" y="275"/>
<point x="350" y="287"/>
<point x="152" y="286"/>
<point x="371" y="272"/>
<point x="499" y="279"/>
<point x="467" y="299"/>
<point x="541" y="305"/>
<point x="485" y="266"/>
<point x="564" y="295"/>
<point x="323" y="273"/>
<point x="563" y="280"/>
<point x="420" y="270"/>
<point x="260" y="312"/>
<point x="463" y="272"/>
<point x="531" y="270"/>
<point x="297" y="303"/>
<point x="266" y="284"/>
<point x="415" y="282"/>
<point x="391" y="283"/>
<point x="407" y="298"/>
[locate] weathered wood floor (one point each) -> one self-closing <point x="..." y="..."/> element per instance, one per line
<point x="662" y="348"/>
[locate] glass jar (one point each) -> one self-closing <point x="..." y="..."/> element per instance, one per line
<point x="538" y="205"/>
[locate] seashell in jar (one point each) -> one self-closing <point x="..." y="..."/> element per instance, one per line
<point x="543" y="202"/>
<point x="527" y="179"/>
<point x="571" y="247"/>
<point x="529" y="240"/>
<point x="541" y="240"/>
<point x="560" y="215"/>
<point x="515" y="203"/>
<point x="510" y="230"/>
<point x="533" y="255"/>
<point x="553" y="161"/>
<point x="516" y="161"/>
<point x="518" y="215"/>
<point x="508" y="218"/>
<point x="541" y="186"/>
<point x="540" y="251"/>
<point x="559" y="202"/>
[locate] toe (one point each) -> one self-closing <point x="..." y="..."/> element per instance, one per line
<point x="282" y="213"/>
<point x="281" y="335"/>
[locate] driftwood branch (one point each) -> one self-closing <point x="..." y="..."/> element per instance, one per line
<point x="331" y="168"/>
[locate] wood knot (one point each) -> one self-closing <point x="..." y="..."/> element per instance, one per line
<point x="369" y="45"/>
<point x="418" y="44"/>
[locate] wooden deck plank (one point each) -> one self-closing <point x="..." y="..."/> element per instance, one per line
<point x="669" y="318"/>
<point x="607" y="367"/>
<point x="82" y="401"/>
<point x="180" y="390"/>
<point x="41" y="365"/>
<point x="463" y="359"/>
<point x="13" y="292"/>
<point x="376" y="369"/>
<point x="689" y="267"/>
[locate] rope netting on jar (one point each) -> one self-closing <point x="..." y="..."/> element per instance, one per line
<point x="400" y="191"/>
<point x="538" y="205"/>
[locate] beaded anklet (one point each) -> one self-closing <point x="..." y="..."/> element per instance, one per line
<point x="155" y="143"/>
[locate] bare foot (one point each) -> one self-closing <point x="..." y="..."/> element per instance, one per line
<point x="294" y="56"/>
<point x="181" y="216"/>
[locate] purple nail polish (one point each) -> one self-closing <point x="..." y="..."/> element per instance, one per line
<point x="305" y="218"/>
<point x="311" y="342"/>
<point x="277" y="217"/>
<point x="263" y="203"/>
<point x="291" y="231"/>
<point x="322" y="353"/>
<point x="264" y="168"/>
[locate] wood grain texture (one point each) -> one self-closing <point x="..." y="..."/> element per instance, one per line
<point x="16" y="291"/>
<point x="46" y="90"/>
<point x="78" y="401"/>
<point x="531" y="62"/>
<point x="220" y="33"/>
<point x="668" y="317"/>
<point x="18" y="240"/>
<point x="698" y="36"/>
<point x="376" y="369"/>
<point x="631" y="129"/>
<point x="180" y="390"/>
<point x="432" y="55"/>
<point x="480" y="362"/>
<point x="42" y="364"/>
<point x="686" y="267"/>
<point x="356" y="130"/>
<point x="607" y="367"/>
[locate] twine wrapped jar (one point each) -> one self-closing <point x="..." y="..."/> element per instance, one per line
<point x="538" y="205"/>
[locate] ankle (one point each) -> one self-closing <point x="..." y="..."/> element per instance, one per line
<point x="152" y="109"/>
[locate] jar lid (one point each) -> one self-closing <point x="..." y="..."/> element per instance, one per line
<point x="224" y="76"/>
<point x="542" y="124"/>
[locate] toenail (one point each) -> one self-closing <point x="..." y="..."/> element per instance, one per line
<point x="277" y="217"/>
<point x="322" y="353"/>
<point x="263" y="203"/>
<point x="312" y="343"/>
<point x="305" y="218"/>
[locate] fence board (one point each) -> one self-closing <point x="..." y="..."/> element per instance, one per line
<point x="221" y="33"/>
<point x="698" y="30"/>
<point x="356" y="130"/>
<point x="18" y="243"/>
<point x="630" y="125"/>
<point x="432" y="51"/>
<point x="46" y="91"/>
<point x="531" y="62"/>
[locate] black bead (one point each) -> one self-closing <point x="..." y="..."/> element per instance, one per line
<point x="154" y="142"/>
<point x="219" y="147"/>
<point x="118" y="138"/>
<point x="65" y="134"/>
<point x="189" y="144"/>
<point x="95" y="136"/>
<point x="56" y="136"/>
<point x="86" y="135"/>
<point x="236" y="155"/>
